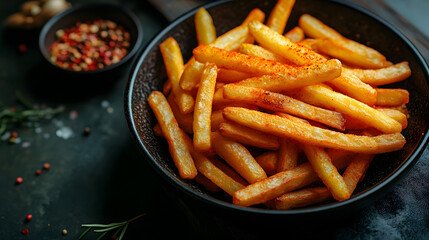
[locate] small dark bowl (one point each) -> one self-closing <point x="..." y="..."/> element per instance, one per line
<point x="353" y="22"/>
<point x="88" y="12"/>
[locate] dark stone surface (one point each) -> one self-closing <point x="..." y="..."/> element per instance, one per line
<point x="104" y="178"/>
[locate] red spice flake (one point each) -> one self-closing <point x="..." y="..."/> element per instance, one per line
<point x="38" y="172"/>
<point x="25" y="231"/>
<point x="46" y="166"/>
<point x="28" y="217"/>
<point x="19" y="180"/>
<point x="22" y="48"/>
<point x="90" y="43"/>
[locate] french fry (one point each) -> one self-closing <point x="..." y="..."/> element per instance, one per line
<point x="230" y="40"/>
<point x="228" y="170"/>
<point x="300" y="198"/>
<point x="352" y="123"/>
<point x="381" y="76"/>
<point x="230" y="76"/>
<point x="173" y="61"/>
<point x="279" y="15"/>
<point x="206" y="183"/>
<point x="203" y="109"/>
<point x="281" y="45"/>
<point x="248" y="136"/>
<point x="303" y="133"/>
<point x="238" y="157"/>
<point x="206" y="31"/>
<point x="356" y="170"/>
<point x="339" y="46"/>
<point x="392" y="97"/>
<point x="282" y="103"/>
<point x="299" y="77"/>
<point x="268" y="161"/>
<point x="296" y="34"/>
<point x="185" y="121"/>
<point x="287" y="155"/>
<point x="173" y="134"/>
<point x="258" y="51"/>
<point x="321" y="96"/>
<point x="216" y="119"/>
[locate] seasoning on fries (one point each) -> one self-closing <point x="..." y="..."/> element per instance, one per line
<point x="284" y="118"/>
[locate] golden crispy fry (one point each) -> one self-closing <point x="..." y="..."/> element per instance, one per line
<point x="179" y="151"/>
<point x="381" y="76"/>
<point x="350" y="52"/>
<point x="268" y="161"/>
<point x="352" y="123"/>
<point x="299" y="77"/>
<point x="282" y="103"/>
<point x="173" y="61"/>
<point x="217" y="119"/>
<point x="314" y="28"/>
<point x="206" y="31"/>
<point x="322" y="165"/>
<point x="230" y="76"/>
<point x="254" y="15"/>
<point x="303" y="133"/>
<point x="353" y="87"/>
<point x="228" y="170"/>
<point x="258" y="51"/>
<point x="323" y="97"/>
<point x="203" y="109"/>
<point x="185" y="120"/>
<point x="279" y="44"/>
<point x="300" y="198"/>
<point x="279" y="15"/>
<point x="248" y="136"/>
<point x="392" y="97"/>
<point x="287" y="155"/>
<point x="206" y="183"/>
<point x="296" y="34"/>
<point x="356" y="170"/>
<point x="238" y="157"/>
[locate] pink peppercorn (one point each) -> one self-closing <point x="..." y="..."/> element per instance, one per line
<point x="19" y="180"/>
<point x="25" y="231"/>
<point x="28" y="217"/>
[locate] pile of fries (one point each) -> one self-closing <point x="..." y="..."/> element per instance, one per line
<point x="275" y="119"/>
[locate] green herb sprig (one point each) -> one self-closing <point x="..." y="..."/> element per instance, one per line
<point x="10" y="116"/>
<point x="120" y="228"/>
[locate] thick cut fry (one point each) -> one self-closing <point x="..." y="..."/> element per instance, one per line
<point x="300" y="77"/>
<point x="352" y="123"/>
<point x="300" y="198"/>
<point x="255" y="15"/>
<point x="392" y="97"/>
<point x="179" y="151"/>
<point x="206" y="183"/>
<point x="230" y="76"/>
<point x="258" y="51"/>
<point x="268" y="161"/>
<point x="185" y="120"/>
<point x="353" y="87"/>
<point x="279" y="15"/>
<point x="173" y="61"/>
<point x="350" y="52"/>
<point x="356" y="170"/>
<point x="354" y="52"/>
<point x="323" y="97"/>
<point x="279" y="44"/>
<point x="238" y="157"/>
<point x="381" y="76"/>
<point x="206" y="31"/>
<point x="287" y="155"/>
<point x="322" y="165"/>
<point x="217" y="119"/>
<point x="203" y="109"/>
<point x="303" y="133"/>
<point x="228" y="170"/>
<point x="248" y="136"/>
<point x="282" y="103"/>
<point x="296" y="34"/>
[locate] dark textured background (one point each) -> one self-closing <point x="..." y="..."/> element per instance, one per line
<point x="103" y="178"/>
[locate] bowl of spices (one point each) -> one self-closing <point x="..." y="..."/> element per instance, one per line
<point x="91" y="38"/>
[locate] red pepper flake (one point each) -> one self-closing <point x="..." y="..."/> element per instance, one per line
<point x="19" y="180"/>
<point x="28" y="217"/>
<point x="38" y="172"/>
<point x="46" y="166"/>
<point x="22" y="48"/>
<point x="25" y="231"/>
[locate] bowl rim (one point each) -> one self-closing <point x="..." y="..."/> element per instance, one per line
<point x="384" y="184"/>
<point x="83" y="6"/>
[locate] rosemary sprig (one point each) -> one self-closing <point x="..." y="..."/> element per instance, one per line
<point x="121" y="228"/>
<point x="27" y="114"/>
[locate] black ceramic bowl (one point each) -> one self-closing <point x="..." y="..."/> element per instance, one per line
<point x="353" y="22"/>
<point x="89" y="12"/>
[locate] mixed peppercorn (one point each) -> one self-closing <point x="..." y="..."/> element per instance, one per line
<point x="90" y="45"/>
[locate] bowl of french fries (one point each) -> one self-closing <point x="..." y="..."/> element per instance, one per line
<point x="280" y="107"/>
